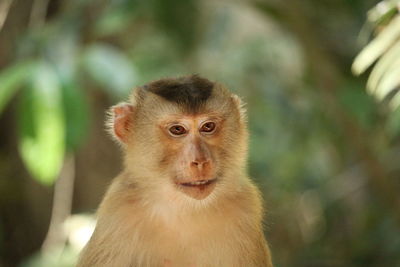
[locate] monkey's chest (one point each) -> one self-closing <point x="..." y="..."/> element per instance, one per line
<point x="187" y="246"/>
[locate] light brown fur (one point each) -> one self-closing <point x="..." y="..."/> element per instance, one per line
<point x="144" y="220"/>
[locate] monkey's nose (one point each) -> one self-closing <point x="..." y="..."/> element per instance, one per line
<point x="200" y="163"/>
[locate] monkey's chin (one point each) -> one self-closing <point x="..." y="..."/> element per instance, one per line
<point x="197" y="189"/>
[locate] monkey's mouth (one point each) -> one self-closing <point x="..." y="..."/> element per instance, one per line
<point x="200" y="183"/>
<point x="198" y="189"/>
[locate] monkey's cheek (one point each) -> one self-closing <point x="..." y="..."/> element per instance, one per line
<point x="198" y="192"/>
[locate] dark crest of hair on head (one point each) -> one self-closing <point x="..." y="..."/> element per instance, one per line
<point x="190" y="91"/>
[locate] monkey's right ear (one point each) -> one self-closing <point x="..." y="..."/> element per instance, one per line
<point x="120" y="121"/>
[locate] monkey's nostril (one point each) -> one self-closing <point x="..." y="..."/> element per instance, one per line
<point x="200" y="163"/>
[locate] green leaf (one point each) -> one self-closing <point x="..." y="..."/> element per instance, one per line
<point x="42" y="126"/>
<point x="383" y="12"/>
<point x="389" y="81"/>
<point x="11" y="79"/>
<point x="76" y="114"/>
<point x="111" y="69"/>
<point x="394" y="103"/>
<point x="377" y="47"/>
<point x="385" y="62"/>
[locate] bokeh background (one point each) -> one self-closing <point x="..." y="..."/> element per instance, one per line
<point x="324" y="145"/>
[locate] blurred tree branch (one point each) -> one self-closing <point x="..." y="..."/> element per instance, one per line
<point x="290" y="14"/>
<point x="62" y="205"/>
<point x="5" y="6"/>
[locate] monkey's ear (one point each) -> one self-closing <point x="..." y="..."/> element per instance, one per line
<point x="239" y="106"/>
<point x="120" y="121"/>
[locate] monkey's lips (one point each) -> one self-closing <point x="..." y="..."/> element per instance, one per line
<point x="198" y="189"/>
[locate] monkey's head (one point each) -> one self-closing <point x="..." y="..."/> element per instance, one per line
<point x="186" y="135"/>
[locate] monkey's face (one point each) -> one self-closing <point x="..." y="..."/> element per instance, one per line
<point x="190" y="152"/>
<point x="188" y="136"/>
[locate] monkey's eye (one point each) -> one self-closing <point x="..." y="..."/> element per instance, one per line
<point x="208" y="127"/>
<point x="177" y="130"/>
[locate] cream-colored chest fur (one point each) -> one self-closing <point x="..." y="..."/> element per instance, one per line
<point x="188" y="243"/>
<point x="137" y="235"/>
<point x="195" y="240"/>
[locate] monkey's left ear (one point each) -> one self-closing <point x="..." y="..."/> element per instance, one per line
<point x="120" y="121"/>
<point x="239" y="106"/>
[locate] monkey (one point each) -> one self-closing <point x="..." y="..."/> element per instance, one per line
<point x="184" y="197"/>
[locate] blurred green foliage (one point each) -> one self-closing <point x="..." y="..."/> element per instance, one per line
<point x="323" y="149"/>
<point x="42" y="125"/>
<point x="384" y="79"/>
